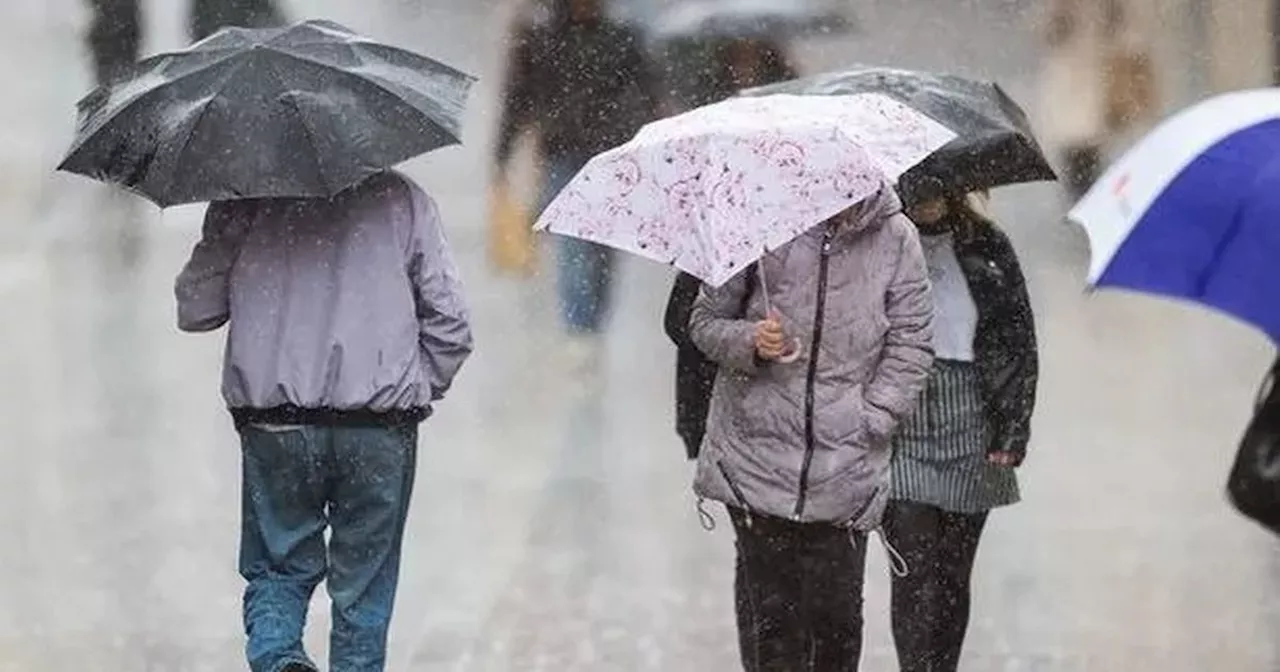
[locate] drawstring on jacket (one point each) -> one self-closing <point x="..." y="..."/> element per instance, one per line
<point x="707" y="521"/>
<point x="897" y="563"/>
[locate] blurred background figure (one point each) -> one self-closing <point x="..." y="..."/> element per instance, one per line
<point x="1098" y="81"/>
<point x="701" y="72"/>
<point x="115" y="36"/>
<point x="711" y="49"/>
<point x="580" y="82"/>
<point x="207" y="16"/>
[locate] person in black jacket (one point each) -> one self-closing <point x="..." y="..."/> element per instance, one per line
<point x="740" y="64"/>
<point x="954" y="459"/>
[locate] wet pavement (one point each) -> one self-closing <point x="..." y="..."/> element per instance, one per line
<point x="553" y="527"/>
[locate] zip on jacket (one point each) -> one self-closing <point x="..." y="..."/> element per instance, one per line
<point x="810" y="440"/>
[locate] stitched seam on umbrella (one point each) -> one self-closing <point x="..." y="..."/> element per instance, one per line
<point x="373" y="81"/>
<point x="380" y="89"/>
<point x="186" y="143"/>
<point x="324" y="179"/>
<point x="88" y="134"/>
<point x="1219" y="250"/>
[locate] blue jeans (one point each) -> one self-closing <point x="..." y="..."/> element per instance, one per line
<point x="584" y="269"/>
<point x="298" y="480"/>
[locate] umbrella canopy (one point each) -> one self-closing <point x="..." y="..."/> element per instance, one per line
<point x="994" y="145"/>
<point x="302" y="111"/>
<point x="712" y="189"/>
<point x="1192" y="211"/>
<point x="734" y="19"/>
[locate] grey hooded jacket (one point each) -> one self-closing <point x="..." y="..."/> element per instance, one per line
<point x="341" y="311"/>
<point x="810" y="440"/>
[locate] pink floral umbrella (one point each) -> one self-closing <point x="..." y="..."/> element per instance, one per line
<point x="713" y="189"/>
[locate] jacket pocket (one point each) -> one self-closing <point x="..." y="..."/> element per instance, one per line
<point x="854" y="496"/>
<point x="842" y="423"/>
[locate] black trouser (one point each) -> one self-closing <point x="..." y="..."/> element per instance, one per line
<point x="930" y="605"/>
<point x="799" y="595"/>
<point x="115" y="37"/>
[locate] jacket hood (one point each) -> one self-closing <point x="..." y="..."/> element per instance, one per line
<point x="873" y="209"/>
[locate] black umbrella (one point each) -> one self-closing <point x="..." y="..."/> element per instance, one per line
<point x="306" y="110"/>
<point x="739" y="19"/>
<point x="994" y="144"/>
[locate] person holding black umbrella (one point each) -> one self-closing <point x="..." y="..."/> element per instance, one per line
<point x="346" y="320"/>
<point x="954" y="458"/>
<point x="346" y="324"/>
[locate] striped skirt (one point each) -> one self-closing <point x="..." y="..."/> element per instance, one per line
<point x="940" y="453"/>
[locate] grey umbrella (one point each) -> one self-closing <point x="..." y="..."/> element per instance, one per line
<point x="302" y="111"/>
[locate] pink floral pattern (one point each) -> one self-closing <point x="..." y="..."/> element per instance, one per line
<point x="712" y="189"/>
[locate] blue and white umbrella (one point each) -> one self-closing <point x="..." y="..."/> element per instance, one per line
<point x="1193" y="210"/>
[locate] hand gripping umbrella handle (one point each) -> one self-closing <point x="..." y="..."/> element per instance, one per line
<point x="768" y="311"/>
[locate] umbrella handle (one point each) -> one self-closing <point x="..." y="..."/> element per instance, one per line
<point x="768" y="310"/>
<point x="764" y="289"/>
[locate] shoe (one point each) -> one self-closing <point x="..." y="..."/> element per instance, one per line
<point x="298" y="667"/>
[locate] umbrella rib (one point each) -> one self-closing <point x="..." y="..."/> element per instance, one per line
<point x="186" y="143"/>
<point x="373" y="81"/>
<point x="88" y="133"/>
